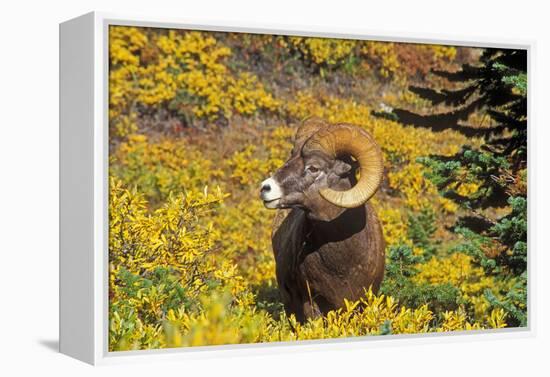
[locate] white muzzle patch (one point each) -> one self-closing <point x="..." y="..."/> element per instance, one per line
<point x="270" y="193"/>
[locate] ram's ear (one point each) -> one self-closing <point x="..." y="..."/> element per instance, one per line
<point x="341" y="168"/>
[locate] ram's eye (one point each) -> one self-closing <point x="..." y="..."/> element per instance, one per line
<point x="312" y="169"/>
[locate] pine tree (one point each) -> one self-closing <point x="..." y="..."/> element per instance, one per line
<point x="496" y="90"/>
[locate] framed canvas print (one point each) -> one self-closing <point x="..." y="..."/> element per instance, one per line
<point x="233" y="189"/>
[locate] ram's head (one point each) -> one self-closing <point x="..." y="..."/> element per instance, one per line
<point x="323" y="168"/>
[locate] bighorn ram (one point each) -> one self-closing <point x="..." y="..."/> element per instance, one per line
<point x="327" y="240"/>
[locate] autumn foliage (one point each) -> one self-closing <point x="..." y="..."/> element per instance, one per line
<point x="198" y="119"/>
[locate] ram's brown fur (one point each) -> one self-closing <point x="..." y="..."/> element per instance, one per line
<point x="324" y="253"/>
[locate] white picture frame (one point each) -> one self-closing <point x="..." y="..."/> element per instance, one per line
<point x="84" y="188"/>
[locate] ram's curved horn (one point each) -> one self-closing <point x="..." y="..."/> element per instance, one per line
<point x="308" y="127"/>
<point x="345" y="139"/>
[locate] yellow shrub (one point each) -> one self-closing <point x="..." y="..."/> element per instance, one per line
<point x="458" y="270"/>
<point x="246" y="239"/>
<point x="323" y="51"/>
<point x="170" y="236"/>
<point x="410" y="182"/>
<point x="163" y="166"/>
<point x="142" y="245"/>
<point x="222" y="323"/>
<point x="394" y="225"/>
<point x="186" y="68"/>
<point x="384" y="53"/>
<point x="251" y="165"/>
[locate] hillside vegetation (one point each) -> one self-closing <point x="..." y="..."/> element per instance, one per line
<point x="198" y="119"/>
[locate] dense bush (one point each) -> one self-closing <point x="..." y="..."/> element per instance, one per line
<point x="198" y="119"/>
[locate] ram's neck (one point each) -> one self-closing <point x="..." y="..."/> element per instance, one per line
<point x="322" y="210"/>
<point x="343" y="224"/>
